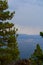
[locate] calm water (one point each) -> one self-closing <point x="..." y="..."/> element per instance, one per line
<point x="27" y="44"/>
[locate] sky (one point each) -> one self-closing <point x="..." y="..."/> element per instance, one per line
<point x="28" y="15"/>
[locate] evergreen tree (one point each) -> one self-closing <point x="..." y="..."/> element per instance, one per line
<point x="41" y="34"/>
<point x="37" y="56"/>
<point x="8" y="36"/>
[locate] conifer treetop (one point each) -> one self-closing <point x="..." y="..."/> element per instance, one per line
<point x="5" y="15"/>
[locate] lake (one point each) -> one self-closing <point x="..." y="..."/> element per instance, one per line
<point x="27" y="44"/>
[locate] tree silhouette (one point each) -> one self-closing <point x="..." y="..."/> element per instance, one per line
<point x="41" y="34"/>
<point x="8" y="36"/>
<point x="37" y="56"/>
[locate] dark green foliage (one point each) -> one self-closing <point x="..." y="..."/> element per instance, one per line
<point x="5" y="15"/>
<point x="8" y="37"/>
<point x="3" y="5"/>
<point x="41" y="34"/>
<point x="23" y="62"/>
<point x="37" y="56"/>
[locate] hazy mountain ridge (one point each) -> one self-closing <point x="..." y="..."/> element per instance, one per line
<point x="25" y="36"/>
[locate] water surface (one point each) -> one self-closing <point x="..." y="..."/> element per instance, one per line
<point x="27" y="44"/>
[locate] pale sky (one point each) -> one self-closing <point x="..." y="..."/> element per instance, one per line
<point x="28" y="15"/>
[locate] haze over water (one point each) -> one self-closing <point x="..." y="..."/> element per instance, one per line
<point x="27" y="44"/>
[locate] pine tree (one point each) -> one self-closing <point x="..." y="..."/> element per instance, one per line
<point x="37" y="56"/>
<point x="41" y="34"/>
<point x="8" y="36"/>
